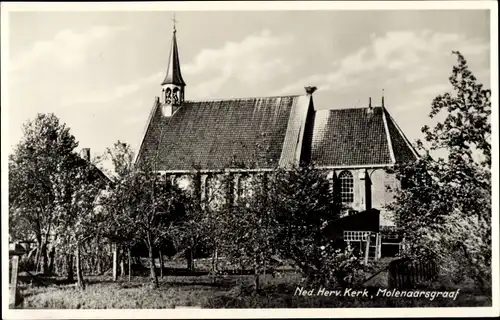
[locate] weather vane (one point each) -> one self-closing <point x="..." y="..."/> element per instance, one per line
<point x="174" y="21"/>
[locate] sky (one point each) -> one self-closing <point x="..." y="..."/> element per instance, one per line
<point x="99" y="72"/>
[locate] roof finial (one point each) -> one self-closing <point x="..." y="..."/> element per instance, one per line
<point x="370" y="102"/>
<point x="383" y="98"/>
<point x="310" y="89"/>
<point x="174" y="21"/>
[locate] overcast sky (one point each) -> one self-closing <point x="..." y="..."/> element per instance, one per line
<point x="100" y="71"/>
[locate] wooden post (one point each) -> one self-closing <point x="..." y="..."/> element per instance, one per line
<point x="115" y="261"/>
<point x="379" y="246"/>
<point x="367" y="249"/>
<point x="13" y="283"/>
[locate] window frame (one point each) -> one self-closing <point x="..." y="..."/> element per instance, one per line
<point x="346" y="181"/>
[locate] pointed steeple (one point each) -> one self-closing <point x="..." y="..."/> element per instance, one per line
<point x="173" y="85"/>
<point x="174" y="75"/>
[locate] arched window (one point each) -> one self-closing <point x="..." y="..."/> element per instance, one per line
<point x="215" y="192"/>
<point x="346" y="187"/>
<point x="185" y="182"/>
<point x="246" y="188"/>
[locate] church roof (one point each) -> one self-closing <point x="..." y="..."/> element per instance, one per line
<point x="359" y="136"/>
<point x="269" y="131"/>
<point x="218" y="134"/>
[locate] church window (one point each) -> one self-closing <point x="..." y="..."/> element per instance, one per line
<point x="185" y="183"/>
<point x="246" y="188"/>
<point x="346" y="187"/>
<point x="215" y="191"/>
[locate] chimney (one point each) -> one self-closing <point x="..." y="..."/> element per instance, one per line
<point x="85" y="154"/>
<point x="370" y="107"/>
<point x="310" y="89"/>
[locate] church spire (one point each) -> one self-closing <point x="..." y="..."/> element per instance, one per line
<point x="174" y="75"/>
<point x="173" y="84"/>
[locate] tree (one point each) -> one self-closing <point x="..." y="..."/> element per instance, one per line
<point x="149" y="205"/>
<point x="77" y="208"/>
<point x="250" y="228"/>
<point x="303" y="204"/>
<point x="122" y="157"/>
<point x="444" y="208"/>
<point x="45" y="151"/>
<point x="280" y="217"/>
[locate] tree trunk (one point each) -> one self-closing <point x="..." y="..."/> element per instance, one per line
<point x="30" y="258"/>
<point x="256" y="279"/>
<point x="129" y="265"/>
<point x="52" y="254"/>
<point x="214" y="265"/>
<point x="214" y="260"/>
<point x="189" y="258"/>
<point x="44" y="267"/>
<point x="79" y="273"/>
<point x="115" y="261"/>
<point x="57" y="268"/>
<point x="161" y="263"/>
<point x="38" y="252"/>
<point x="122" y="264"/>
<point x="69" y="268"/>
<point x="99" y="265"/>
<point x="152" y="274"/>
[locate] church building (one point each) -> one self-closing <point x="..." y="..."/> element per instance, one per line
<point x="354" y="145"/>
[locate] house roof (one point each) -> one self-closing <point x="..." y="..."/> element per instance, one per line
<point x="269" y="131"/>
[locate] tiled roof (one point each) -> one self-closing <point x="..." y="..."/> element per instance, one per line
<point x="403" y="150"/>
<point x="219" y="134"/>
<point x="266" y="132"/>
<point x="357" y="136"/>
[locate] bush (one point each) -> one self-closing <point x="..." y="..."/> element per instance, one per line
<point x="341" y="268"/>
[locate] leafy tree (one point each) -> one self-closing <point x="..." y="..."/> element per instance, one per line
<point x="44" y="152"/>
<point x="149" y="205"/>
<point x="122" y="157"/>
<point x="123" y="235"/>
<point x="189" y="234"/>
<point x="77" y="208"/>
<point x="444" y="209"/>
<point x="280" y="218"/>
<point x="303" y="204"/>
<point x="250" y="228"/>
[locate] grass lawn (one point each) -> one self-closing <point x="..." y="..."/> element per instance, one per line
<point x="232" y="291"/>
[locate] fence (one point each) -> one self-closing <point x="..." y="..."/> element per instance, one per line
<point x="406" y="273"/>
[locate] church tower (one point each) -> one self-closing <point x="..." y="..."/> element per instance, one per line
<point x="173" y="85"/>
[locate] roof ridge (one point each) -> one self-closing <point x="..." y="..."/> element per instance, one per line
<point x="350" y="108"/>
<point x="388" y="136"/>
<point x="245" y="98"/>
